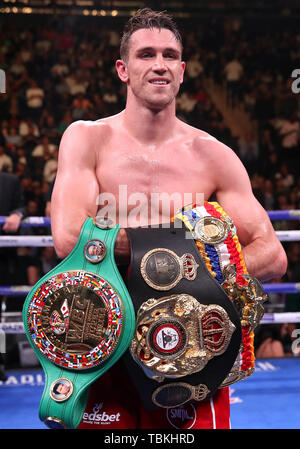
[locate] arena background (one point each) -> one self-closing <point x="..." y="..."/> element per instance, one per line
<point x="64" y="51"/>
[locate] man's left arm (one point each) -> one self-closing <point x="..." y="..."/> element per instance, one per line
<point x="264" y="255"/>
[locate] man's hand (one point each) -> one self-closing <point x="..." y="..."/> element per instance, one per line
<point x="12" y="223"/>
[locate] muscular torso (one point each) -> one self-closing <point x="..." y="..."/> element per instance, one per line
<point x="138" y="184"/>
<point x="150" y="182"/>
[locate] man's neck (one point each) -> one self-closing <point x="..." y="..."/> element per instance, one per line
<point x="150" y="126"/>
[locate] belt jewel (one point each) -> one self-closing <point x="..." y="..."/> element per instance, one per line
<point x="79" y="319"/>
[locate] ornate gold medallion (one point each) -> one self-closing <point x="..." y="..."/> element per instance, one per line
<point x="162" y="269"/>
<point x="211" y="230"/>
<point x="75" y="319"/>
<point x="176" y="335"/>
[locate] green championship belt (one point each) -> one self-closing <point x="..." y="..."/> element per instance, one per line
<point x="79" y="319"/>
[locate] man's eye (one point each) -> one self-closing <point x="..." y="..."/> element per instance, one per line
<point x="170" y="56"/>
<point x="146" y="55"/>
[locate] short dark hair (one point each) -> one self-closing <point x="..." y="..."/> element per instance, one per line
<point x="149" y="19"/>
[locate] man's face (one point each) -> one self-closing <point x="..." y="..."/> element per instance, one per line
<point x="154" y="70"/>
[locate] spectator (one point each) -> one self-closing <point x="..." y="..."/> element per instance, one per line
<point x="61" y="67"/>
<point x="28" y="126"/>
<point x="44" y="148"/>
<point x="286" y="177"/>
<point x="80" y="107"/>
<point x="76" y="84"/>
<point x="48" y="259"/>
<point x="65" y="122"/>
<point x="289" y="130"/>
<point x="194" y="68"/>
<point x="269" y="341"/>
<point x="248" y="151"/>
<point x="269" y="200"/>
<point x="12" y="138"/>
<point x="6" y="163"/>
<point x="50" y="167"/>
<point x="35" y="99"/>
<point x="233" y="71"/>
<point x="49" y="128"/>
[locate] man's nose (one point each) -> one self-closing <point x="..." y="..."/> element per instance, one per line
<point x="159" y="64"/>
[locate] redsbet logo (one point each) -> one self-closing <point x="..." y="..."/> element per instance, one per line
<point x="100" y="418"/>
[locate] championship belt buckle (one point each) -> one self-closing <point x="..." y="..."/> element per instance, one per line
<point x="79" y="320"/>
<point x="177" y="336"/>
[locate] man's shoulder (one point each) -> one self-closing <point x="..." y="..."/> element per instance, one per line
<point x="203" y="139"/>
<point x="209" y="147"/>
<point x="90" y="127"/>
<point x="86" y="136"/>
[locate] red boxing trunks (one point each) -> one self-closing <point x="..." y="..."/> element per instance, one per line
<point x="114" y="404"/>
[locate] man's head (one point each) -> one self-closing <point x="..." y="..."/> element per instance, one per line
<point x="147" y="19"/>
<point x="151" y="63"/>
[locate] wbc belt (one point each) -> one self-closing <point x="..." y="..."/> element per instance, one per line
<point x="79" y="319"/>
<point x="191" y="322"/>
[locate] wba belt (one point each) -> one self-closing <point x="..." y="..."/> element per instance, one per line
<point x="192" y="325"/>
<point x="79" y="319"/>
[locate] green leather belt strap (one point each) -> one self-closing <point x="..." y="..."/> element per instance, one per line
<point x="79" y="319"/>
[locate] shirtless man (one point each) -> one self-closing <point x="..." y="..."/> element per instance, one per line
<point x="149" y="150"/>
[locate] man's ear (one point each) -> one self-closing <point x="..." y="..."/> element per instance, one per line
<point x="182" y="71"/>
<point x="121" y="68"/>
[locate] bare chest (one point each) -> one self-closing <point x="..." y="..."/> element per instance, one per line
<point x="153" y="182"/>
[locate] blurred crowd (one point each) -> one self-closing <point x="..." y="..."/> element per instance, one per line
<point x="61" y="71"/>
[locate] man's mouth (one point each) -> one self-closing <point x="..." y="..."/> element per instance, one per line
<point x="159" y="81"/>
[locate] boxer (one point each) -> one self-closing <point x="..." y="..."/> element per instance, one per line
<point x="149" y="150"/>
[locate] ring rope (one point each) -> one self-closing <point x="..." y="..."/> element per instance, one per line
<point x="46" y="221"/>
<point x="30" y="221"/>
<point x="47" y="240"/>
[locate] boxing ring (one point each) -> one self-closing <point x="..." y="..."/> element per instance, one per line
<point x="266" y="400"/>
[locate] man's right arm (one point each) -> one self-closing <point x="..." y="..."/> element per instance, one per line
<point x="76" y="186"/>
